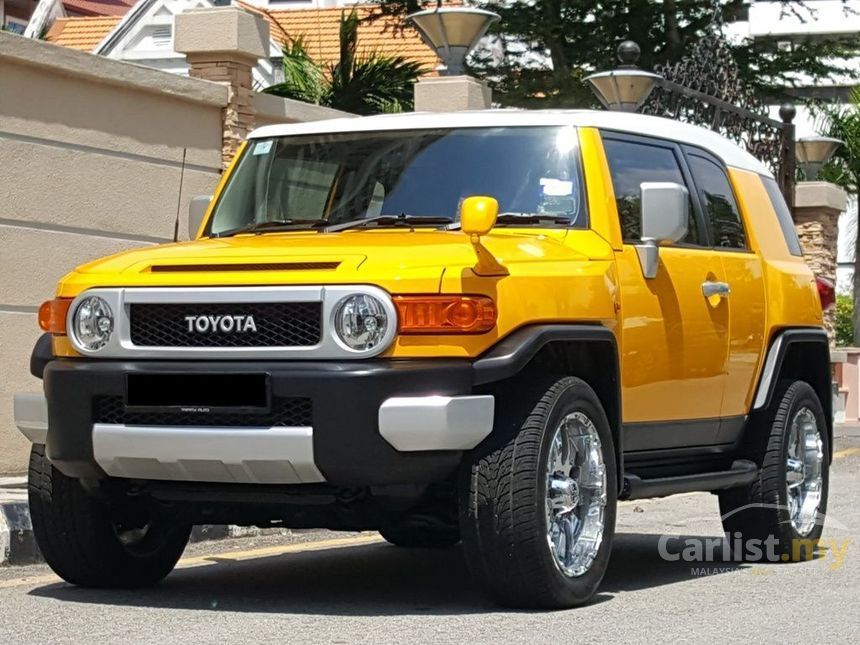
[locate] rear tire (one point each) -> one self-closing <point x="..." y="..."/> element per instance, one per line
<point x="793" y="457"/>
<point x="84" y="542"/>
<point x="525" y="506"/>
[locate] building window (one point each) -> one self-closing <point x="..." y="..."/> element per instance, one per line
<point x="161" y="37"/>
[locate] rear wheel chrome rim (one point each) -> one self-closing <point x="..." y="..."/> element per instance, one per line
<point x="575" y="494"/>
<point x="804" y="471"/>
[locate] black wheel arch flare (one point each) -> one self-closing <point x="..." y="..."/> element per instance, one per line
<point x="514" y="354"/>
<point x="801" y="353"/>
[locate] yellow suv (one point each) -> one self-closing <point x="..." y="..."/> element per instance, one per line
<point x="488" y="327"/>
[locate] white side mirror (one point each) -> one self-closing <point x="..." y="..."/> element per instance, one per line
<point x="665" y="208"/>
<point x="196" y="212"/>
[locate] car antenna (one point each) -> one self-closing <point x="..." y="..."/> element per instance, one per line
<point x="179" y="199"/>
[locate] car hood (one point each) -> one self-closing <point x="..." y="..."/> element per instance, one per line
<point x="396" y="259"/>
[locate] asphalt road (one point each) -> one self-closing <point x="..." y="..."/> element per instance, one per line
<point x="352" y="588"/>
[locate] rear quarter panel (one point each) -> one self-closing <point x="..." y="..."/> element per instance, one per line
<point x="791" y="297"/>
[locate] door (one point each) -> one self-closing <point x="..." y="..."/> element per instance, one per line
<point x="743" y="275"/>
<point x="673" y="337"/>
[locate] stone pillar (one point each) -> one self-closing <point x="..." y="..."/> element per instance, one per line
<point x="223" y="44"/>
<point x="817" y="206"/>
<point x="451" y="93"/>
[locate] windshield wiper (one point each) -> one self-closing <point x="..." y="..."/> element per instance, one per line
<point x="531" y="218"/>
<point x="273" y="225"/>
<point x="390" y="220"/>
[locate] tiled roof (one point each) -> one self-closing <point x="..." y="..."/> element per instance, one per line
<point x="82" y="34"/>
<point x="275" y="29"/>
<point x="98" y="7"/>
<point x="319" y="29"/>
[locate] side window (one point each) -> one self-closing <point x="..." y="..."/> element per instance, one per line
<point x="786" y="223"/>
<point x="719" y="202"/>
<point x="631" y="163"/>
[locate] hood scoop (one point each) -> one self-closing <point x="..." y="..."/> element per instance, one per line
<point x="256" y="266"/>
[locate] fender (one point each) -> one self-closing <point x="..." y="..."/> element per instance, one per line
<point x="41" y="356"/>
<point x="510" y="356"/>
<point x="819" y="370"/>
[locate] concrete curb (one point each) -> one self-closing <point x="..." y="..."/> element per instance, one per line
<point x="18" y="544"/>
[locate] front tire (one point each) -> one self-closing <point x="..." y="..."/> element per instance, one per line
<point x="537" y="509"/>
<point x="788" y="501"/>
<point x="86" y="544"/>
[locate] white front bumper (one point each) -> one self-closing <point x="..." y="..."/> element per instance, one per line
<point x="412" y="423"/>
<point x="257" y="455"/>
<point x="239" y="455"/>
<point x="31" y="416"/>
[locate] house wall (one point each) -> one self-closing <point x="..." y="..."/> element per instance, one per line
<point x="270" y="110"/>
<point x="91" y="151"/>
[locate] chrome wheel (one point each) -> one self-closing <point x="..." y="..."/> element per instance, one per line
<point x="804" y="471"/>
<point x="575" y="494"/>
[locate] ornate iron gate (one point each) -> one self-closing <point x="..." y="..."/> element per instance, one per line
<point x="705" y="88"/>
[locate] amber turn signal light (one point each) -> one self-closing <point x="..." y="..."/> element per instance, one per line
<point x="52" y="315"/>
<point x="445" y="314"/>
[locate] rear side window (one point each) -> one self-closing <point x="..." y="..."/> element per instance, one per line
<point x="631" y="163"/>
<point x="718" y="202"/>
<point x="783" y="215"/>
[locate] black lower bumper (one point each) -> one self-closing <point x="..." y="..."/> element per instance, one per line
<point x="345" y="399"/>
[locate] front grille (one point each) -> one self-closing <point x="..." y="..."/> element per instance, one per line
<point x="285" y="412"/>
<point x="278" y="324"/>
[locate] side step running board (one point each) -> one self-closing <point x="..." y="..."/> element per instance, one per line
<point x="741" y="473"/>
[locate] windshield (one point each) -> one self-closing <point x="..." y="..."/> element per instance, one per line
<point x="317" y="181"/>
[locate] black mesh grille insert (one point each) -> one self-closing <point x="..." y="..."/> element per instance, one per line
<point x="286" y="412"/>
<point x="277" y="324"/>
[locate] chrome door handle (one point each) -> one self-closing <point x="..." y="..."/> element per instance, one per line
<point x="720" y="289"/>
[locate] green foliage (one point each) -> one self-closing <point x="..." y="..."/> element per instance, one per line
<point x="843" y="122"/>
<point x="303" y="77"/>
<point x="366" y="84"/>
<point x="579" y="37"/>
<point x="370" y="84"/>
<point x="844" y="321"/>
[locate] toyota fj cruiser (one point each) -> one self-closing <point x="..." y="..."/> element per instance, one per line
<point x="488" y="327"/>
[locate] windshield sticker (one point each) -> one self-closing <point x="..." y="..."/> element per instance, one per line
<point x="262" y="148"/>
<point x="556" y="187"/>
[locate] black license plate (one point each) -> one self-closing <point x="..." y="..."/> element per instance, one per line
<point x="198" y="392"/>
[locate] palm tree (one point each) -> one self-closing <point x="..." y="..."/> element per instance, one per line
<point x="366" y="84"/>
<point x="843" y="122"/>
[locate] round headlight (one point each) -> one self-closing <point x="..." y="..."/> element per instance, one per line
<point x="361" y="322"/>
<point x="93" y="323"/>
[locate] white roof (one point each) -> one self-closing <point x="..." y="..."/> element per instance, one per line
<point x="731" y="154"/>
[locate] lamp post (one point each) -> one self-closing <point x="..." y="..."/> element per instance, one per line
<point x="627" y="87"/>
<point x="452" y="32"/>
<point x="813" y="153"/>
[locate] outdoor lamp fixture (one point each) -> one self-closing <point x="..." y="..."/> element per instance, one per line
<point x="452" y="32"/>
<point x="813" y="152"/>
<point x="626" y="88"/>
